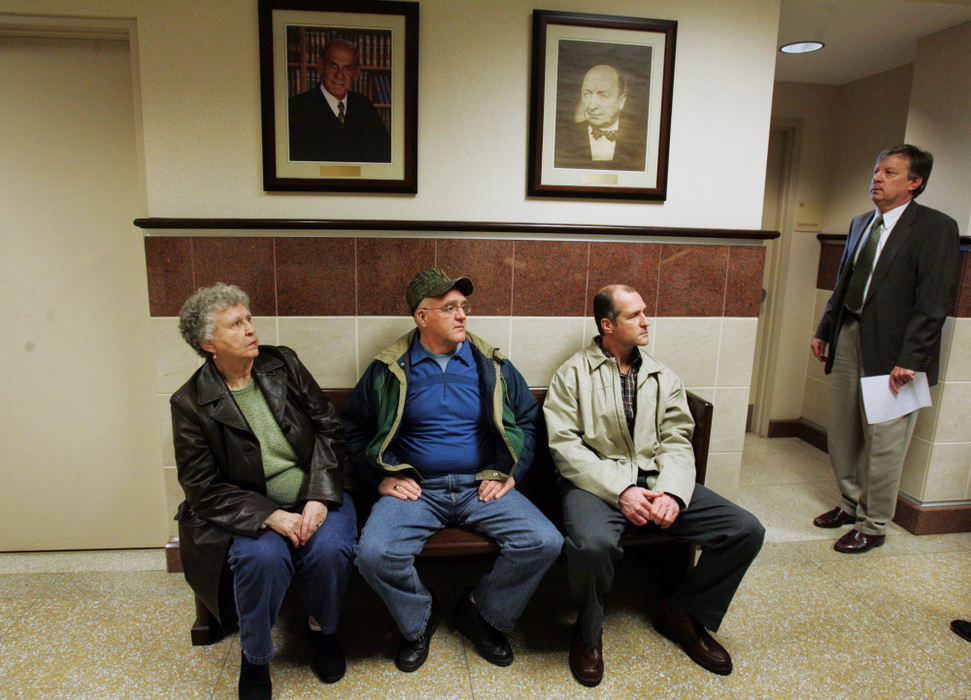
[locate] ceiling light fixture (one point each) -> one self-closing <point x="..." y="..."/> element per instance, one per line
<point x="802" y="47"/>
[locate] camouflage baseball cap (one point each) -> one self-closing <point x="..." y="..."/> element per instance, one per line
<point x="434" y="282"/>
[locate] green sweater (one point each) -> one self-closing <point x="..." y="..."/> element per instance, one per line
<point x="284" y="478"/>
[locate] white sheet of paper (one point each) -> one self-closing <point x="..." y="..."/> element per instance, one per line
<point x="881" y="404"/>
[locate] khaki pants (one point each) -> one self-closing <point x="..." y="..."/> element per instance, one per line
<point x="867" y="459"/>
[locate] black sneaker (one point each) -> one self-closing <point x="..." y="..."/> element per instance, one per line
<point x="328" y="660"/>
<point x="412" y="653"/>
<point x="254" y="681"/>
<point x="488" y="641"/>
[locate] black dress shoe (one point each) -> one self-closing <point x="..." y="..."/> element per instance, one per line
<point x="488" y="641"/>
<point x="254" y="681"/>
<point x="694" y="639"/>
<point x="961" y="628"/>
<point x="834" y="518"/>
<point x="412" y="653"/>
<point x="586" y="662"/>
<point x="856" y="542"/>
<point x="328" y="661"/>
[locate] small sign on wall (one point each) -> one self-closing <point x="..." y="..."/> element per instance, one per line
<point x="809" y="216"/>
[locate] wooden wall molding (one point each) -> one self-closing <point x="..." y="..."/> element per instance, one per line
<point x="462" y="226"/>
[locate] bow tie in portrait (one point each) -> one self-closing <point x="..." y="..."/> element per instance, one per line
<point x="609" y="135"/>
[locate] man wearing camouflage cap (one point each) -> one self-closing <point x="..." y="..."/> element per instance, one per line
<point x="442" y="425"/>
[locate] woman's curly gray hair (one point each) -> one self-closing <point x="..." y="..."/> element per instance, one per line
<point x="197" y="319"/>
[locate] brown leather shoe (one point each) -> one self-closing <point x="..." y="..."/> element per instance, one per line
<point x="856" y="542"/>
<point x="834" y="518"/>
<point x="694" y="639"/>
<point x="587" y="663"/>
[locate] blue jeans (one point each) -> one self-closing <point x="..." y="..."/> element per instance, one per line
<point x="397" y="529"/>
<point x="263" y="568"/>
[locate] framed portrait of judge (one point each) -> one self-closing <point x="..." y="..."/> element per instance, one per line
<point x="600" y="106"/>
<point x="339" y="86"/>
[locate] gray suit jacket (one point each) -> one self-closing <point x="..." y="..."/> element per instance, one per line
<point x="911" y="293"/>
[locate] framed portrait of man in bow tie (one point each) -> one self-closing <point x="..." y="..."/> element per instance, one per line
<point x="600" y="105"/>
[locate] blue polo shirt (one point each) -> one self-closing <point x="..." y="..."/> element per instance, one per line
<point x="443" y="429"/>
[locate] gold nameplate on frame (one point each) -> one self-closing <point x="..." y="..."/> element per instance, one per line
<point x="340" y="171"/>
<point x="599" y="179"/>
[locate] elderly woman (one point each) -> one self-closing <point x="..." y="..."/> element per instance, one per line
<point x="259" y="450"/>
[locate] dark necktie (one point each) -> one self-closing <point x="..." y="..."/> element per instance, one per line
<point x="340" y="113"/>
<point x="863" y="268"/>
<point x="598" y="133"/>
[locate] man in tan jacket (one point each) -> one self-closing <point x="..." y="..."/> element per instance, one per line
<point x="619" y="430"/>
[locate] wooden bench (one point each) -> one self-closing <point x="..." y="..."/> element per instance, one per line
<point x="539" y="487"/>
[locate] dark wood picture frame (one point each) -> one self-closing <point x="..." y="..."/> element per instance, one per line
<point x="640" y="53"/>
<point x="297" y="157"/>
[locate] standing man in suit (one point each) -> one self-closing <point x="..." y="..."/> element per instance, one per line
<point x="603" y="140"/>
<point x="896" y="283"/>
<point x="333" y="123"/>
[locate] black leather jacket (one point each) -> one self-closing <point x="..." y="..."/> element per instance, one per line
<point x="220" y="466"/>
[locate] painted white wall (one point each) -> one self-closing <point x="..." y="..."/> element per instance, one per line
<point x="940" y="119"/>
<point x="81" y="452"/>
<point x="201" y="113"/>
<point x="871" y="115"/>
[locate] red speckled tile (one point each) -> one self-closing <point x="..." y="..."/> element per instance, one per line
<point x="245" y="262"/>
<point x="168" y="261"/>
<point x="550" y="278"/>
<point x="488" y="263"/>
<point x="692" y="280"/>
<point x="743" y="293"/>
<point x="385" y="266"/>
<point x="962" y="307"/>
<point x="315" y="276"/>
<point x="829" y="263"/>
<point x="633" y="264"/>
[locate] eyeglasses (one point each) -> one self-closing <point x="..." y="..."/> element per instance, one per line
<point x="452" y="309"/>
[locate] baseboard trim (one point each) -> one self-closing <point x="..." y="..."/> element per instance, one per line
<point x="173" y="562"/>
<point x="932" y="520"/>
<point x="800" y="428"/>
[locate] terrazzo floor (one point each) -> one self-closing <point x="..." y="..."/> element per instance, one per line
<point x="807" y="622"/>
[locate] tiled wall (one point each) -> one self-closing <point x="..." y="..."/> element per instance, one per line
<point x="938" y="466"/>
<point x="338" y="301"/>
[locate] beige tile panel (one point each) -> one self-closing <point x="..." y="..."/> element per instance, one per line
<point x="266" y="328"/>
<point x="927" y="416"/>
<point x="948" y="472"/>
<point x="326" y="345"/>
<point x="736" y="351"/>
<point x="728" y="425"/>
<point x="815" y="402"/>
<point x="540" y="345"/>
<point x="724" y="473"/>
<point x="374" y="333"/>
<point x="689" y="346"/>
<point x="495" y="330"/>
<point x="957" y="350"/>
<point x="914" y="475"/>
<point x="175" y="361"/>
<point x="953" y="424"/>
<point x="947" y="338"/>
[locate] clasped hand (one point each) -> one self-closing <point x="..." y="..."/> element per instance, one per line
<point x="642" y="506"/>
<point x="298" y="527"/>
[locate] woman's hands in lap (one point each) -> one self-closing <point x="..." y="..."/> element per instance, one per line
<point x="298" y="527"/>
